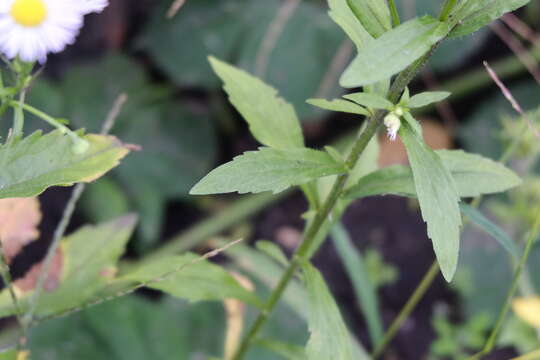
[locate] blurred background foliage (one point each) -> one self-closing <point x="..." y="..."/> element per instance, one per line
<point x="179" y="116"/>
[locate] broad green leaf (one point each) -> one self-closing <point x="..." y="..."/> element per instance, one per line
<point x="203" y="26"/>
<point x="426" y="98"/>
<point x="393" y="51"/>
<point x="339" y="105"/>
<point x="298" y="61"/>
<point x="133" y="328"/>
<point x="329" y="335"/>
<point x="272" y="121"/>
<point x="473" y="175"/>
<point x="374" y="15"/>
<point x="87" y="255"/>
<point x="438" y="198"/>
<point x="365" y="291"/>
<point x="188" y="277"/>
<point x="369" y="100"/>
<point x="272" y="250"/>
<point x="268" y="170"/>
<point x="104" y="200"/>
<point x="285" y="350"/>
<point x="39" y="161"/>
<point x="492" y="229"/>
<point x="342" y="15"/>
<point x="483" y="12"/>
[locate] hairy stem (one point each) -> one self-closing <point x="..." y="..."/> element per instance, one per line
<point x="304" y="251"/>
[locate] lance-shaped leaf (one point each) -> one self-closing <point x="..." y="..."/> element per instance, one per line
<point x="473" y="175"/>
<point x="191" y="278"/>
<point x="426" y="98"/>
<point x="374" y="15"/>
<point x="272" y="121"/>
<point x="342" y="15"/>
<point x="268" y="170"/>
<point x="438" y="198"/>
<point x="483" y="12"/>
<point x="339" y="105"/>
<point x="393" y="51"/>
<point x="329" y="335"/>
<point x="39" y="161"/>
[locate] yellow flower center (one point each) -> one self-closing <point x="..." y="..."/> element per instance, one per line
<point x="29" y="13"/>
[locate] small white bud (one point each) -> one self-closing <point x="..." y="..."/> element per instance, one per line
<point x="392" y="123"/>
<point x="399" y="111"/>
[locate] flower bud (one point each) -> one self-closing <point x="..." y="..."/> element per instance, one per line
<point x="392" y="123"/>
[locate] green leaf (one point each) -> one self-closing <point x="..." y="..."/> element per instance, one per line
<point x="339" y="105"/>
<point x="268" y="170"/>
<point x="393" y="51"/>
<point x="363" y="288"/>
<point x="374" y="15"/>
<point x="492" y="229"/>
<point x="133" y="328"/>
<point x="188" y="277"/>
<point x="342" y="15"/>
<point x="8" y="355"/>
<point x="273" y="251"/>
<point x="289" y="63"/>
<point x="473" y="175"/>
<point x="285" y="350"/>
<point x="104" y="200"/>
<point x="369" y="100"/>
<point x="426" y="98"/>
<point x="203" y="26"/>
<point x="438" y="198"/>
<point x="40" y="161"/>
<point x="272" y="121"/>
<point x="483" y="12"/>
<point x="85" y="255"/>
<point x="329" y="335"/>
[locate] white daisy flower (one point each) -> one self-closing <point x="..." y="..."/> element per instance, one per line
<point x="30" y="29"/>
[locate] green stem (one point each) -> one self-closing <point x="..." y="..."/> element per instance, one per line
<point x="18" y="116"/>
<point x="304" y="251"/>
<point x="447" y="9"/>
<point x="394" y="13"/>
<point x="46" y="117"/>
<point x="515" y="282"/>
<point x="57" y="237"/>
<point x="417" y="295"/>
